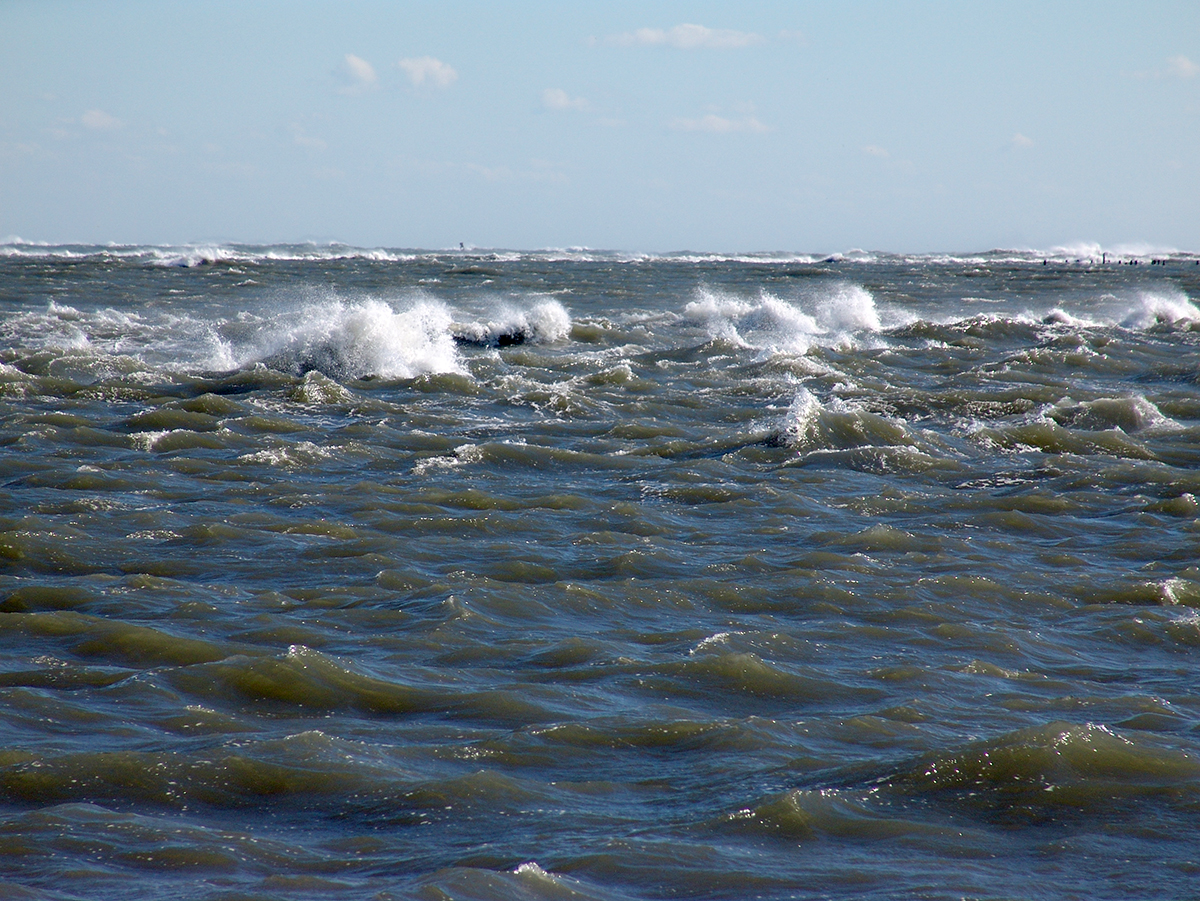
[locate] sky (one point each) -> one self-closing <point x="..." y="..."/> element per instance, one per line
<point x="755" y="126"/>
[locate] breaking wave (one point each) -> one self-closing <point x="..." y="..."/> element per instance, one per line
<point x="1129" y="414"/>
<point x="1160" y="308"/>
<point x="352" y="340"/>
<point x="544" y="322"/>
<point x="843" y="433"/>
<point x="810" y="425"/>
<point x="837" y="318"/>
<point x="341" y="338"/>
<point x="370" y="338"/>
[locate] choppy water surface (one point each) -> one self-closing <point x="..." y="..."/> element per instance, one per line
<point x="330" y="573"/>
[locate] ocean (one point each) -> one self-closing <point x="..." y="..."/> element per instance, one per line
<point x="340" y="573"/>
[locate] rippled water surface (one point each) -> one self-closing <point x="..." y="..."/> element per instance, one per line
<point x="365" y="574"/>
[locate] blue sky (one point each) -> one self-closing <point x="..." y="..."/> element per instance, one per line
<point x="638" y="126"/>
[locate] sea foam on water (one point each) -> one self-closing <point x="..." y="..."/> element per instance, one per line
<point x="1160" y="307"/>
<point x="839" y="316"/>
<point x="357" y="339"/>
<point x="542" y="322"/>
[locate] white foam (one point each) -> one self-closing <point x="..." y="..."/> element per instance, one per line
<point x="1131" y="414"/>
<point x="801" y="420"/>
<point x="1142" y="249"/>
<point x="1160" y="306"/>
<point x="850" y="308"/>
<point x="1059" y="316"/>
<point x="464" y="454"/>
<point x="146" y="440"/>
<point x="712" y="641"/>
<point x="1079" y="250"/>
<point x="543" y="322"/>
<point x="1135" y="310"/>
<point x="549" y="321"/>
<point x="813" y="426"/>
<point x="765" y="323"/>
<point x="201" y="254"/>
<point x="190" y="256"/>
<point x="840" y="317"/>
<point x="357" y="339"/>
<point x="286" y="456"/>
<point x="542" y="883"/>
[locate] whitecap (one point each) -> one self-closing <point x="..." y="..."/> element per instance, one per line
<point x="849" y="308"/>
<point x="543" y="322"/>
<point x="287" y="456"/>
<point x="1131" y="414"/>
<point x="842" y="315"/>
<point x="765" y="323"/>
<point x="351" y="340"/>
<point x="1160" y="307"/>
<point x="812" y="426"/>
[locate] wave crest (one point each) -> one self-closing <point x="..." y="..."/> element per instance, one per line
<point x="838" y="318"/>
<point x="1160" y="308"/>
<point x="811" y="425"/>
<point x="355" y="340"/>
<point x="542" y="323"/>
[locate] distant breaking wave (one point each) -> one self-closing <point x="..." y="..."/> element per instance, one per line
<point x="206" y="254"/>
<point x="445" y="314"/>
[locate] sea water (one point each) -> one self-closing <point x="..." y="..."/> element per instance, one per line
<point x="340" y="573"/>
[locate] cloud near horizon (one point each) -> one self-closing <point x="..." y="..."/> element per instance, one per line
<point x="359" y="72"/>
<point x="426" y="69"/>
<point x="719" y="125"/>
<point x="558" y="99"/>
<point x="99" y="120"/>
<point x="1182" y="67"/>
<point x="301" y="138"/>
<point x="688" y="37"/>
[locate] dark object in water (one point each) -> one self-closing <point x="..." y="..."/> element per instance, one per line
<point x="503" y="339"/>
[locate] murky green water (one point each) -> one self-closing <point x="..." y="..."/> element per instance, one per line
<point x="369" y="575"/>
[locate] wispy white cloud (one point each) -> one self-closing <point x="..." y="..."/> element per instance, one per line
<point x="99" y="120"/>
<point x="1182" y="67"/>
<point x="558" y="99"/>
<point x="305" y="140"/>
<point x="546" y="171"/>
<point x="359" y="74"/>
<point x="1020" y="142"/>
<point x="428" y="70"/>
<point x="1177" y="67"/>
<point x="688" y="37"/>
<point x="719" y="124"/>
<point x="491" y="173"/>
<point x="883" y="161"/>
<point x="542" y="171"/>
<point x="11" y="149"/>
